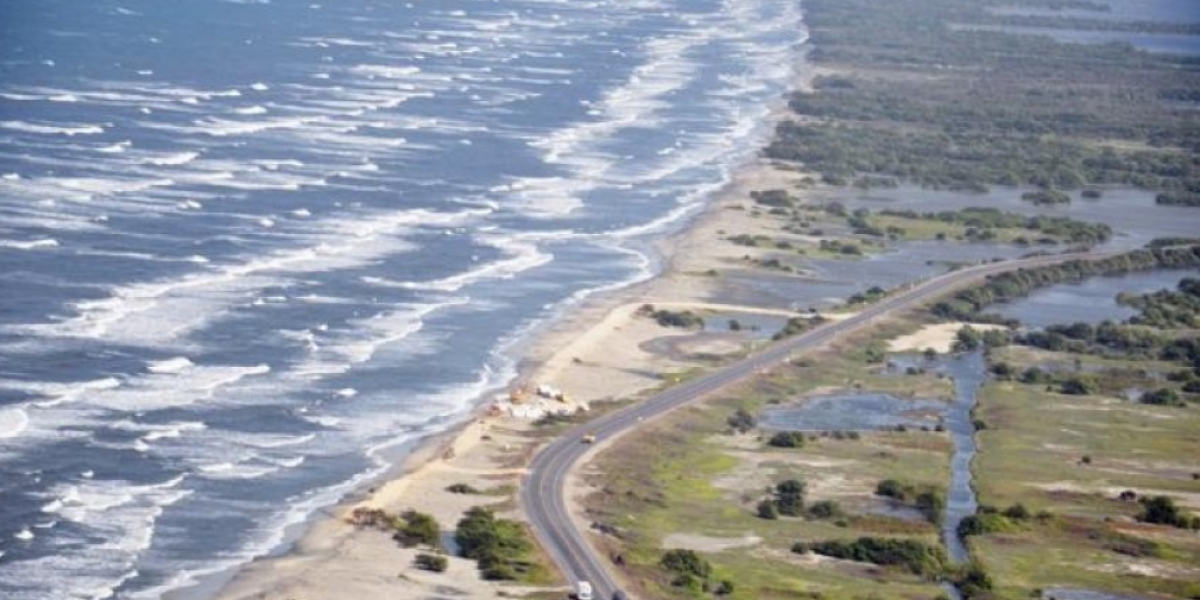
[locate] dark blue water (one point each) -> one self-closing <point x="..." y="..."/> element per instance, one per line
<point x="1116" y="11"/>
<point x="1089" y="301"/>
<point x="250" y="248"/>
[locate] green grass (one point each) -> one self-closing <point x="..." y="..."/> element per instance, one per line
<point x="661" y="479"/>
<point x="1032" y="453"/>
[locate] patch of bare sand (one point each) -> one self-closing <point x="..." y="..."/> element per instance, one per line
<point x="1188" y="499"/>
<point x="757" y="469"/>
<point x="1147" y="567"/>
<point x="939" y="336"/>
<point x="704" y="543"/>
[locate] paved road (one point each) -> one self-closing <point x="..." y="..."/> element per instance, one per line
<point x="543" y="491"/>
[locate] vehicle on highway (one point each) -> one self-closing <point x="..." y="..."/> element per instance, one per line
<point x="589" y="439"/>
<point x="584" y="591"/>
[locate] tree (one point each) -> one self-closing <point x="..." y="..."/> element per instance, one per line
<point x="967" y="339"/>
<point x="1163" y="511"/>
<point x="789" y="497"/>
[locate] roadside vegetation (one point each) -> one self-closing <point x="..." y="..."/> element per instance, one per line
<point x="708" y="480"/>
<point x="503" y="548"/>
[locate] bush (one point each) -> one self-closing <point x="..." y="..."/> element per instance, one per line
<point x="931" y="503"/>
<point x="1163" y="511"/>
<point x="916" y="557"/>
<point x="499" y="546"/>
<point x="667" y="318"/>
<point x="787" y="439"/>
<point x="789" y="497"/>
<point x="742" y="421"/>
<point x="416" y="529"/>
<point x="461" y="488"/>
<point x="891" y="488"/>
<point x="1077" y="387"/>
<point x="766" y="510"/>
<point x="724" y="588"/>
<point x="973" y="581"/>
<point x="431" y="562"/>
<point x="686" y="562"/>
<point x="1162" y="397"/>
<point x="1046" y="197"/>
<point x="825" y="509"/>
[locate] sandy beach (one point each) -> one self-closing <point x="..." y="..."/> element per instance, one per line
<point x="603" y="350"/>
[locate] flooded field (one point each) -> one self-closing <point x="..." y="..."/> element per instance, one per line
<point x="868" y="411"/>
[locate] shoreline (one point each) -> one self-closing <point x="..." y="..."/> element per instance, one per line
<point x="328" y="542"/>
<point x="552" y="353"/>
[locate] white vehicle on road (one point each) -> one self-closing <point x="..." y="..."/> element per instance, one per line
<point x="584" y="591"/>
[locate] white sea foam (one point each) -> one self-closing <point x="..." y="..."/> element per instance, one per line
<point x="42" y="244"/>
<point x="61" y="393"/>
<point x="346" y="393"/>
<point x="69" y="130"/>
<point x="324" y="421"/>
<point x="24" y="535"/>
<point x="230" y="471"/>
<point x="266" y="440"/>
<point x="12" y="422"/>
<point x="520" y="256"/>
<point x="257" y="109"/>
<point x="365" y="337"/>
<point x="114" y="519"/>
<point x="177" y="364"/>
<point x="172" y="389"/>
<point x="115" y="148"/>
<point x="138" y="312"/>
<point x="180" y="158"/>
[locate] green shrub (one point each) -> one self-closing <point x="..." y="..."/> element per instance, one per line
<point x="416" y="529"/>
<point x="431" y="562"/>
<point x="916" y="557"/>
<point x="787" y="439"/>
<point x="686" y="562"/>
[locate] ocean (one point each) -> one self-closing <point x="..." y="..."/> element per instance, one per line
<point x="250" y="250"/>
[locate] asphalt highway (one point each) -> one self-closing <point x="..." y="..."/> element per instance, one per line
<point x="542" y="493"/>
